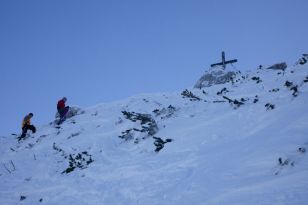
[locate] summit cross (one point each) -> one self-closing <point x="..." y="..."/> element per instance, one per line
<point x="223" y="62"/>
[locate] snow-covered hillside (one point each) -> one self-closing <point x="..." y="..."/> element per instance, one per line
<point x="239" y="143"/>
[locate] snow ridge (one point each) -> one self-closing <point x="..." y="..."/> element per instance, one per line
<point x="240" y="142"/>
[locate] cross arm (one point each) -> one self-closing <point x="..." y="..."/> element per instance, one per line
<point x="224" y="63"/>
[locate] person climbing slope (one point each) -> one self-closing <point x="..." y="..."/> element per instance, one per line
<point x="62" y="109"/>
<point x="26" y="125"/>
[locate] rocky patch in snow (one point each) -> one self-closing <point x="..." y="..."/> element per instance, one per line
<point x="189" y="95"/>
<point x="292" y="87"/>
<point x="269" y="106"/>
<point x="148" y="127"/>
<point x="257" y="79"/>
<point x="159" y="143"/>
<point x="165" y="112"/>
<point x="235" y="103"/>
<point x="79" y="160"/>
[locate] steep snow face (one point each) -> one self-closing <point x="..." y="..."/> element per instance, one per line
<point x="234" y="143"/>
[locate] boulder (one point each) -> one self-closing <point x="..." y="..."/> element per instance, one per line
<point x="214" y="76"/>
<point x="74" y="110"/>
<point x="278" y="66"/>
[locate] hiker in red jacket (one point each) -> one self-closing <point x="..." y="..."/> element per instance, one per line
<point x="62" y="109"/>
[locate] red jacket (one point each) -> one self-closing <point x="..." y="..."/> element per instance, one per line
<point x="61" y="104"/>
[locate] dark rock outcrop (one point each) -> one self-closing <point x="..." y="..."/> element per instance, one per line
<point x="278" y="66"/>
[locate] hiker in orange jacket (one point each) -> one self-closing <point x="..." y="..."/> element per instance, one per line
<point x="26" y="125"/>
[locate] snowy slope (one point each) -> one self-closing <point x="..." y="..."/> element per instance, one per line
<point x="221" y="152"/>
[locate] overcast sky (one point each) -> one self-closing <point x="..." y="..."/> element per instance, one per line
<point x="101" y="51"/>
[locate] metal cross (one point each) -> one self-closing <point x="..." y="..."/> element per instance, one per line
<point x="223" y="62"/>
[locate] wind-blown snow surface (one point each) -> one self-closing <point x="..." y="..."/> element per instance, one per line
<point x="221" y="152"/>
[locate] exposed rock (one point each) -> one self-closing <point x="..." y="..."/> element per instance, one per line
<point x="269" y="106"/>
<point x="188" y="94"/>
<point x="165" y="112"/>
<point x="292" y="87"/>
<point x="302" y="150"/>
<point x="159" y="143"/>
<point x="257" y="79"/>
<point x="22" y="198"/>
<point x="235" y="103"/>
<point x="274" y="90"/>
<point x="256" y="99"/>
<point x="223" y="91"/>
<point x="79" y="160"/>
<point x="295" y="91"/>
<point x="278" y="66"/>
<point x="288" y="84"/>
<point x="303" y="60"/>
<point x="148" y="125"/>
<point x="213" y="77"/>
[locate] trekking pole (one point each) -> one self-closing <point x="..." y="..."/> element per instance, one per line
<point x="6" y="168"/>
<point x="13" y="165"/>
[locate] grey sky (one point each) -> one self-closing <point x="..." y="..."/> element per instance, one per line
<point x="100" y="51"/>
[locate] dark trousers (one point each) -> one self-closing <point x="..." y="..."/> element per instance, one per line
<point x="26" y="128"/>
<point x="62" y="112"/>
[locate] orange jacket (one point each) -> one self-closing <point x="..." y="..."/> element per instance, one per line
<point x="26" y="121"/>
